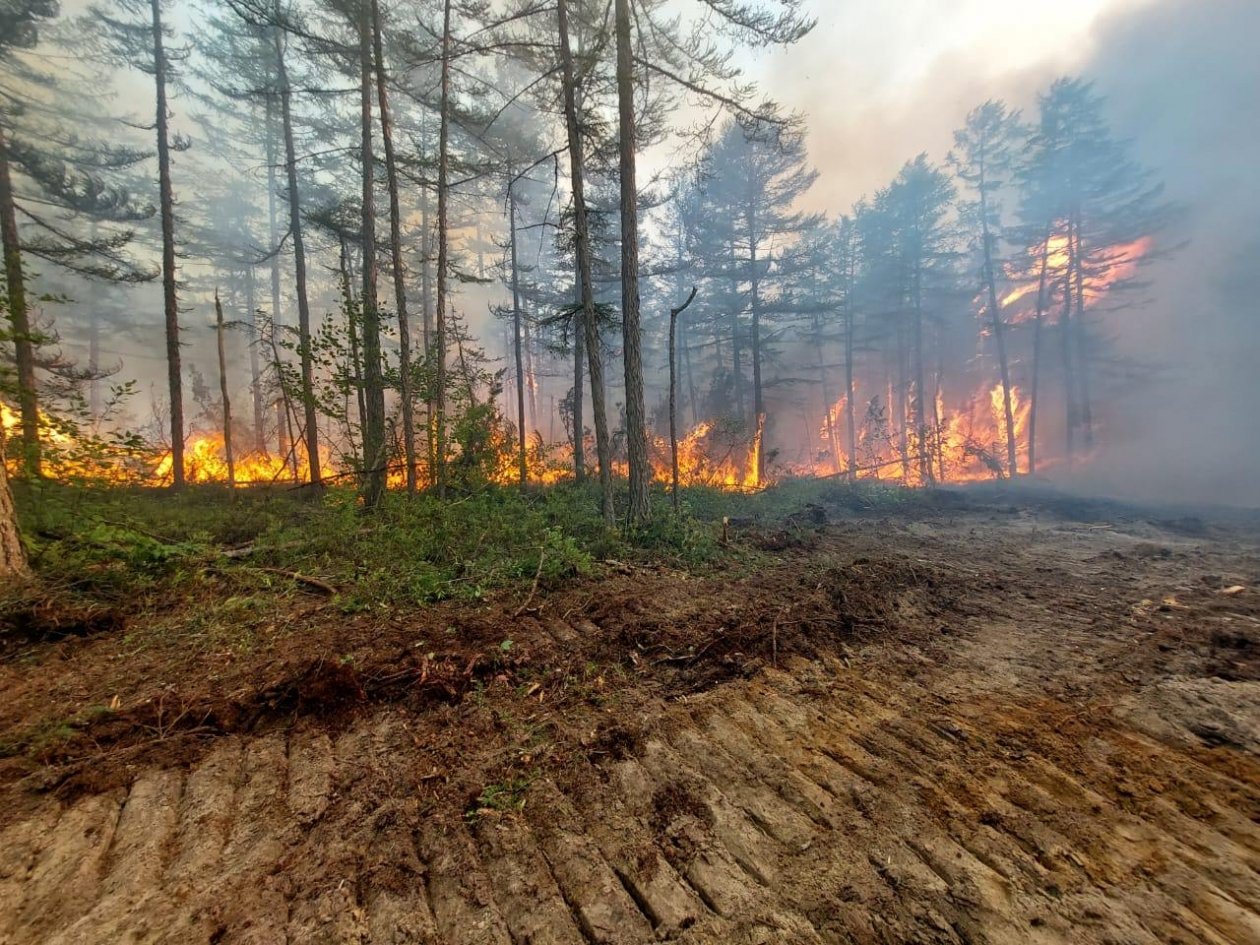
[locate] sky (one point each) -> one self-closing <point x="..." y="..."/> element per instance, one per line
<point x="881" y="81"/>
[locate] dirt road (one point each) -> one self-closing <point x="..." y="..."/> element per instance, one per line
<point x="1002" y="726"/>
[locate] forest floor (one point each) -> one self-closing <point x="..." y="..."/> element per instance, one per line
<point x="980" y="718"/>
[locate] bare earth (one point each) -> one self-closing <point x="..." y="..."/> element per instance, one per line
<point x="984" y="723"/>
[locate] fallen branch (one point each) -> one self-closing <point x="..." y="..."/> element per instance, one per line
<point x="542" y="556"/>
<point x="305" y="579"/>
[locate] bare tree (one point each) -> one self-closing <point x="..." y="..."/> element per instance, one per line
<point x="589" y="328"/>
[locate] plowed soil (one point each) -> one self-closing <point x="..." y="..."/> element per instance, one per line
<point x="997" y="721"/>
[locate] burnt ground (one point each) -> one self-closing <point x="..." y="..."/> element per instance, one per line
<point x="989" y="720"/>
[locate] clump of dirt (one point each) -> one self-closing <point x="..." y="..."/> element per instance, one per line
<point x="51" y="620"/>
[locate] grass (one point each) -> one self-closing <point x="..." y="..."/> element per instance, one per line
<point x="218" y="568"/>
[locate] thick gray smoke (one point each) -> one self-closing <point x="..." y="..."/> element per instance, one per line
<point x="1183" y="81"/>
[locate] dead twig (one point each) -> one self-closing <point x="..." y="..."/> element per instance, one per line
<point x="542" y="556"/>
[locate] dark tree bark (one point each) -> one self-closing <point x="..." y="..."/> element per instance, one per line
<point x="374" y="476"/>
<point x="273" y="229"/>
<point x="759" y="403"/>
<point x="439" y="398"/>
<point x="255" y="367"/>
<point x="310" y="418"/>
<point x="521" y="459"/>
<point x="1038" y="319"/>
<point x="1069" y="372"/>
<point x="632" y="335"/>
<point x="19" y="318"/>
<point x="999" y="325"/>
<point x="579" y="381"/>
<point x="13" y="565"/>
<point x="223" y="392"/>
<point x="1082" y="341"/>
<point x="170" y="301"/>
<point x="406" y="395"/>
<point x="590" y="328"/>
<point x="673" y="396"/>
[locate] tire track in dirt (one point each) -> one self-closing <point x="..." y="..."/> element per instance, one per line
<point x="803" y="807"/>
<point x="944" y="793"/>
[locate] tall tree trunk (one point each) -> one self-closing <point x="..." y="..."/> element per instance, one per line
<point x="1082" y="341"/>
<point x="1038" y="318"/>
<point x="255" y="368"/>
<point x="603" y="442"/>
<point x="170" y="302"/>
<point x="850" y="407"/>
<point x="632" y="335"/>
<point x="833" y="441"/>
<point x="13" y="564"/>
<point x="673" y="395"/>
<point x="19" y="318"/>
<point x="532" y="385"/>
<point x="685" y="345"/>
<point x="273" y="230"/>
<point x="999" y="326"/>
<point x="579" y="380"/>
<point x="920" y="387"/>
<point x="310" y="419"/>
<point x="439" y="399"/>
<point x="396" y="258"/>
<point x="521" y="460"/>
<point x="1069" y="375"/>
<point x="373" y="380"/>
<point x="223" y="391"/>
<point x="759" y="401"/>
<point x="94" y="363"/>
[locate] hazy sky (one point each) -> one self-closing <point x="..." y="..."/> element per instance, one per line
<point x="881" y="80"/>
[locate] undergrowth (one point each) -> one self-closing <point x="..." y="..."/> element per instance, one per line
<point x="218" y="565"/>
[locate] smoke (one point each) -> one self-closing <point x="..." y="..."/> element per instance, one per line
<point x="1181" y="80"/>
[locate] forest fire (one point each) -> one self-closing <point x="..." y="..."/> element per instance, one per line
<point x="1110" y="265"/>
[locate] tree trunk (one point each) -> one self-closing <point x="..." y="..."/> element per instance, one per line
<point x="19" y="318"/>
<point x="754" y="299"/>
<point x="920" y="388"/>
<point x="273" y="229"/>
<point x="579" y="381"/>
<point x="632" y="335"/>
<point x="999" y="327"/>
<point x="255" y="369"/>
<point x="439" y="399"/>
<point x="603" y="442"/>
<point x="1069" y="375"/>
<point x="310" y="419"/>
<point x="833" y="441"/>
<point x="170" y="303"/>
<point x="13" y="564"/>
<point x="1082" y="342"/>
<point x="850" y="408"/>
<point x="223" y="392"/>
<point x="1038" y="318"/>
<point x="396" y="259"/>
<point x="673" y="395"/>
<point x="373" y="381"/>
<point x="521" y="460"/>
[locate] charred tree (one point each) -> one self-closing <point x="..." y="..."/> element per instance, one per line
<point x="632" y="341"/>
<point x="228" y="454"/>
<point x="170" y="300"/>
<point x="19" y="318"/>
<point x="406" y="395"/>
<point x="375" y="460"/>
<point x="310" y="417"/>
<point x="590" y="327"/>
